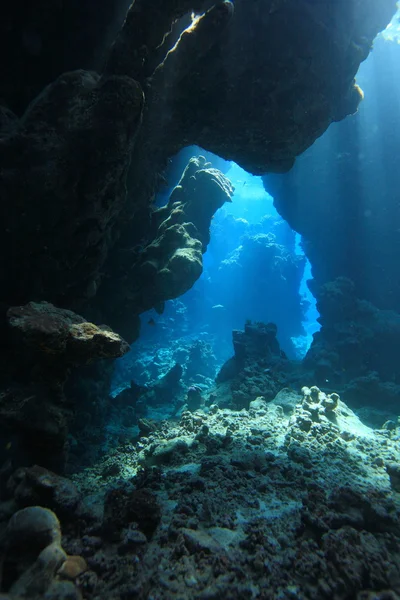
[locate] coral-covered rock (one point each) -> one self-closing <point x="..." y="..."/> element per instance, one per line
<point x="61" y="333"/>
<point x="32" y="557"/>
<point x="38" y="486"/>
<point x="357" y="346"/>
<point x="322" y="414"/>
<point x="250" y="500"/>
<point x="47" y="343"/>
<point x="258" y="367"/>
<point x="393" y="470"/>
<point x="170" y="264"/>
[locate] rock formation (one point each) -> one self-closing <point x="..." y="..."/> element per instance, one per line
<point x="145" y="276"/>
<point x="258" y="368"/>
<point x="343" y="200"/>
<point x="357" y="346"/>
<point x="291" y="496"/>
<point x="47" y="343"/>
<point x="80" y="163"/>
<point x="34" y="564"/>
<point x="220" y="86"/>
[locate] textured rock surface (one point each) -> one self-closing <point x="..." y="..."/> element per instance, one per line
<point x="357" y="346"/>
<point x="143" y="34"/>
<point x="73" y="146"/>
<point x="38" y="486"/>
<point x="32" y="557"/>
<point x="256" y="85"/>
<point x="258" y="368"/>
<point x="46" y="343"/>
<point x="237" y="104"/>
<point x="172" y="262"/>
<point x="63" y="334"/>
<point x="291" y="496"/>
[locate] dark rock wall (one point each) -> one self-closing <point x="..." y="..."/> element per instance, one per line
<point x="44" y="39"/>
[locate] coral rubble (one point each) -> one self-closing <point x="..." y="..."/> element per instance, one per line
<point x="292" y="496"/>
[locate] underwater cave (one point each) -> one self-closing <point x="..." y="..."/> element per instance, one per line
<point x="200" y="299"/>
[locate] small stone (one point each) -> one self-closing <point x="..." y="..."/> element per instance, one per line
<point x="393" y="470"/>
<point x="131" y="540"/>
<point x="191" y="581"/>
<point x="197" y="541"/>
<point x="258" y="404"/>
<point x="62" y="590"/>
<point x="72" y="567"/>
<point x="389" y="425"/>
<point x="164" y="452"/>
<point x="306" y="391"/>
<point x="330" y="402"/>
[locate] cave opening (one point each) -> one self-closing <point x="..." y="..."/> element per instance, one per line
<point x="254" y="270"/>
<point x="255" y="267"/>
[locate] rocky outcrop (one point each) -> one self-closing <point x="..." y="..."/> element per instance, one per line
<point x="47" y="342"/>
<point x="32" y="486"/>
<point x="169" y="265"/>
<point x="257" y="84"/>
<point x="290" y="496"/>
<point x="144" y="32"/>
<point x="243" y="108"/>
<point x="76" y="140"/>
<point x="259" y="366"/>
<point x="34" y="564"/>
<point x="357" y="346"/>
<point x="61" y="334"/>
<point x="73" y="147"/>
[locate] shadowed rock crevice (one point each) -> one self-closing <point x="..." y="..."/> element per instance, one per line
<point x="63" y="185"/>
